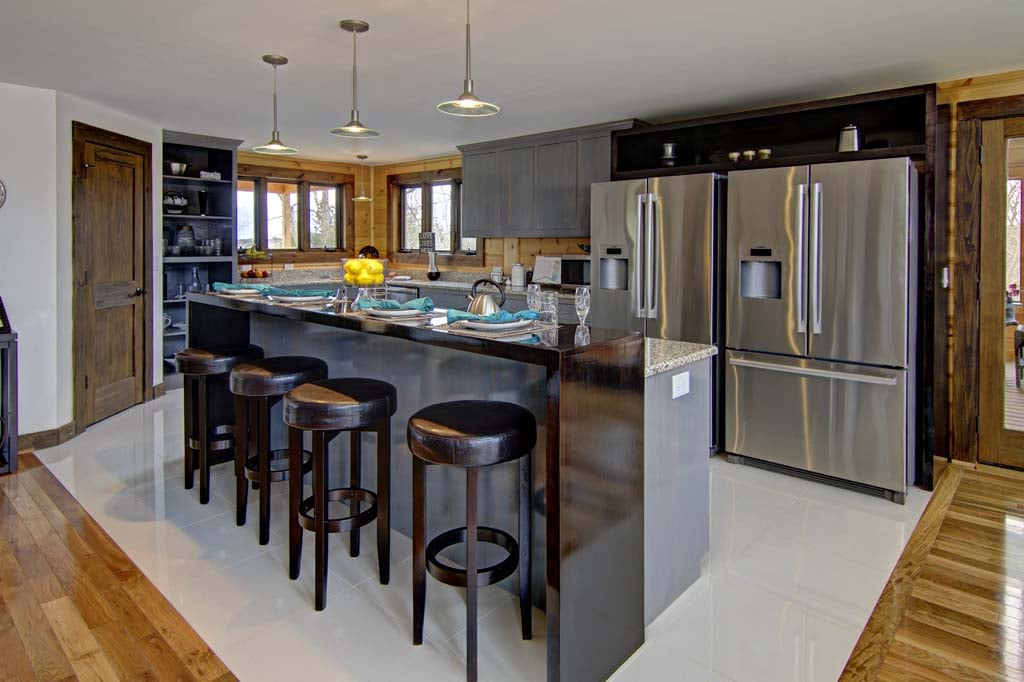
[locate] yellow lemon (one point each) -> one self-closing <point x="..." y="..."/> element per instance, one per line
<point x="353" y="266"/>
<point x="378" y="278"/>
<point x="350" y="278"/>
<point x="364" y="279"/>
<point x="374" y="267"/>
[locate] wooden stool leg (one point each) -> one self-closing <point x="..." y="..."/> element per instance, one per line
<point x="294" y="498"/>
<point x="204" y="442"/>
<point x="419" y="549"/>
<point x="190" y="406"/>
<point x="471" y="579"/>
<point x="264" y="467"/>
<point x="320" y="516"/>
<point x="384" y="501"/>
<point x="525" y="533"/>
<point x="355" y="462"/>
<point x="241" y="453"/>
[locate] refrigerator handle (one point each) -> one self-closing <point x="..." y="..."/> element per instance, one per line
<point x="863" y="378"/>
<point x="651" y="256"/>
<point x="816" y="259"/>
<point x="801" y="284"/>
<point x="638" y="258"/>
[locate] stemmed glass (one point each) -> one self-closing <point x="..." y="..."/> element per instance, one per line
<point x="582" y="303"/>
<point x="533" y="297"/>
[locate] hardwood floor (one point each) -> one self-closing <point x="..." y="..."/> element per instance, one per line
<point x="73" y="605"/>
<point x="954" y="604"/>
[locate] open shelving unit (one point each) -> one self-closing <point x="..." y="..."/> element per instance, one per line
<point x="201" y="153"/>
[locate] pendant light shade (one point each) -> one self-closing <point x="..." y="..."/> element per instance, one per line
<point x="468" y="104"/>
<point x="354" y="128"/>
<point x="362" y="197"/>
<point x="275" y="146"/>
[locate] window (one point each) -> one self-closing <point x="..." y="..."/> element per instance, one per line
<point x="246" y="214"/>
<point x="1013" y="238"/>
<point x="432" y="206"/>
<point x="301" y="217"/>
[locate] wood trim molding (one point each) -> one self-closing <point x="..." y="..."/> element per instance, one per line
<point x="160" y="390"/>
<point x="47" y="439"/>
<point x="295" y="174"/>
<point x="966" y="269"/>
<point x="81" y="134"/>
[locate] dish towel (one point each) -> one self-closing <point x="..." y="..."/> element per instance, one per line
<point x="500" y="316"/>
<point x="274" y="291"/>
<point x="423" y="304"/>
<point x="227" y="286"/>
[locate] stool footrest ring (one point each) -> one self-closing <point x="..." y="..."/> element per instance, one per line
<point x="488" y="575"/>
<point x="341" y="524"/>
<point x="217" y="438"/>
<point x="278" y="465"/>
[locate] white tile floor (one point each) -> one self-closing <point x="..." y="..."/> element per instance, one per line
<point x="794" y="571"/>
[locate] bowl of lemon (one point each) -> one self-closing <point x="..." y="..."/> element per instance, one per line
<point x="364" y="272"/>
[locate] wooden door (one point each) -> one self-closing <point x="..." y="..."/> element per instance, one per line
<point x="1001" y="363"/>
<point x="111" y="325"/>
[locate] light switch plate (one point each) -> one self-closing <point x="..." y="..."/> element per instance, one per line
<point x="289" y="266"/>
<point x="680" y="385"/>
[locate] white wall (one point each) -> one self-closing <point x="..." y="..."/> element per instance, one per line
<point x="28" y="248"/>
<point x="69" y="110"/>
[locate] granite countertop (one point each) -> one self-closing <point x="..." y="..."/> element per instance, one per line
<point x="466" y="286"/>
<point x="661" y="355"/>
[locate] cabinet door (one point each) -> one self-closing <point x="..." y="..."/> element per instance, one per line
<point x="515" y="188"/>
<point x="595" y="165"/>
<point x="555" y="202"/>
<point x="480" y="194"/>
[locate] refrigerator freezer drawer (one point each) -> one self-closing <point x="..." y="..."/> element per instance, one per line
<point x="846" y="421"/>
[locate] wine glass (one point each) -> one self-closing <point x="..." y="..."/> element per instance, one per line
<point x="582" y="303"/>
<point x="533" y="297"/>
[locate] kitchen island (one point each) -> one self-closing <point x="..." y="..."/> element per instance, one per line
<point x="588" y="488"/>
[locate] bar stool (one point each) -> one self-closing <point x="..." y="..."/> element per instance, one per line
<point x="198" y="365"/>
<point x="327" y="408"/>
<point x="471" y="434"/>
<point x="258" y="386"/>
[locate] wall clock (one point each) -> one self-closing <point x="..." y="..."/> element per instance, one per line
<point x="3" y="194"/>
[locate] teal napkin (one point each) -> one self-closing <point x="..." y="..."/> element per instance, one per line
<point x="274" y="291"/>
<point x="227" y="286"/>
<point x="424" y="304"/>
<point x="500" y="316"/>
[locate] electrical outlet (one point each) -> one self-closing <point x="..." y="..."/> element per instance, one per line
<point x="680" y="385"/>
<point x="289" y="266"/>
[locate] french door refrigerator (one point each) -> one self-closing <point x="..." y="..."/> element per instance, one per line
<point x="655" y="262"/>
<point x="820" y="290"/>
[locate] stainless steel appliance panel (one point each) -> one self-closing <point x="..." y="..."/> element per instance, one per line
<point x="829" y="418"/>
<point x="858" y="225"/>
<point x="681" y="217"/>
<point x="616" y="235"/>
<point x="767" y="238"/>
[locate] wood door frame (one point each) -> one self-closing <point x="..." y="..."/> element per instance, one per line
<point x="966" y="268"/>
<point x="81" y="134"/>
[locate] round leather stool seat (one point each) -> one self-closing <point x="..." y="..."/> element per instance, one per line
<point x="472" y="433"/>
<point x="340" y="404"/>
<point x="275" y="376"/>
<point x="211" y="360"/>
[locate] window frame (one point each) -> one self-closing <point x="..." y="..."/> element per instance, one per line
<point x="306" y="181"/>
<point x="396" y="207"/>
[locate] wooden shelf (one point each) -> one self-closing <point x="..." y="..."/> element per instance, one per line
<point x="175" y="301"/>
<point x="185" y="260"/>
<point x="186" y="179"/>
<point x="775" y="162"/>
<point x="195" y="216"/>
<point x="176" y="332"/>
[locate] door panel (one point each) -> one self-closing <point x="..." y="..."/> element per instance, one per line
<point x="859" y="261"/>
<point x="684" y="258"/>
<point x="614" y="217"/>
<point x="111" y="234"/>
<point x="515" y="182"/>
<point x="845" y="421"/>
<point x="766" y="260"/>
<point x="480" y="194"/>
<point x="555" y="205"/>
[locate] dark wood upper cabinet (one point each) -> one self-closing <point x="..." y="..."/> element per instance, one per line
<point x="536" y="185"/>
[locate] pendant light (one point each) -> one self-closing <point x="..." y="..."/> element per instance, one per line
<point x="354" y="128"/>
<point x="275" y="146"/>
<point x="362" y="198"/>
<point x="468" y="104"/>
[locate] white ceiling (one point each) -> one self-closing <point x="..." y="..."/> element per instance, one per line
<point x="195" y="65"/>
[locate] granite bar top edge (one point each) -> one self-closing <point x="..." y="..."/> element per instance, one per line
<point x="662" y="355"/>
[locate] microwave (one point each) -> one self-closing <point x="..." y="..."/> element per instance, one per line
<point x="576" y="270"/>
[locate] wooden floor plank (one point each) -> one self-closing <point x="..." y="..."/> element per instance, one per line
<point x="964" y="619"/>
<point x="73" y="605"/>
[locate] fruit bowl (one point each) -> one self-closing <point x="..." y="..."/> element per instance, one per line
<point x="364" y="272"/>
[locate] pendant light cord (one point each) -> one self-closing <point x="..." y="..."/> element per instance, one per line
<point x="469" y="73"/>
<point x="275" y="102"/>
<point x="355" y="102"/>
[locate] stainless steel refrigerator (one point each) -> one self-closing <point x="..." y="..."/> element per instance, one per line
<point x="654" y="260"/>
<point x="820" y="290"/>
